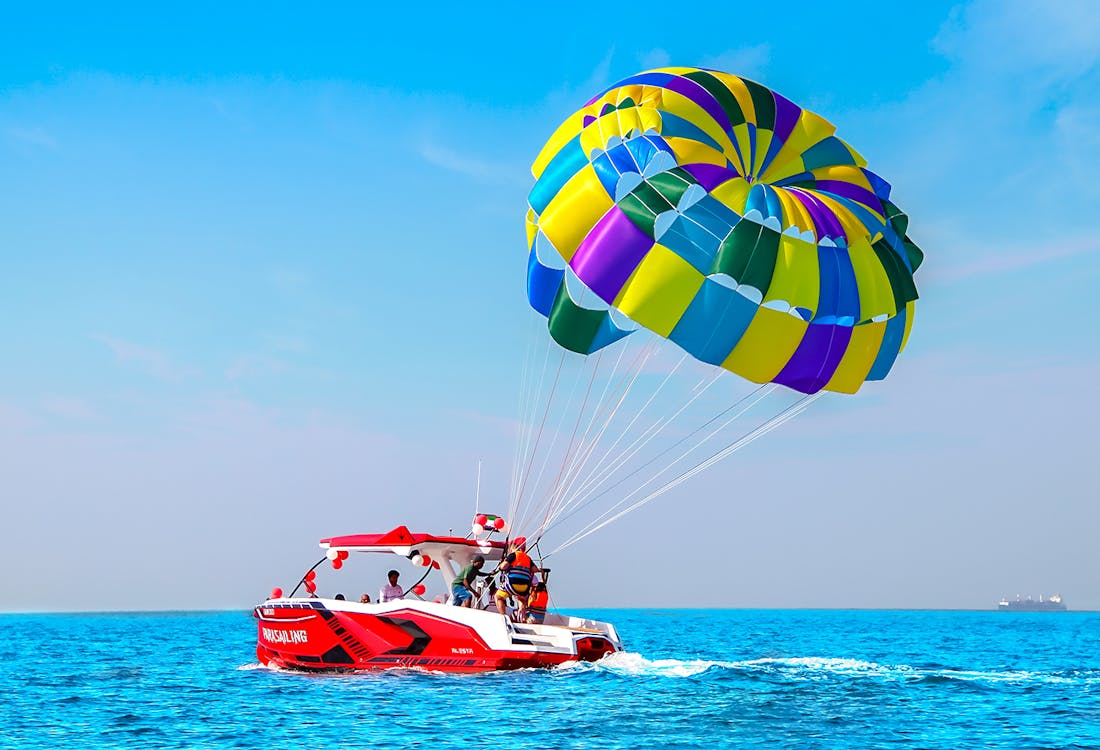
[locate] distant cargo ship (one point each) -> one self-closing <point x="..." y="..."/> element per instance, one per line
<point x="1053" y="604"/>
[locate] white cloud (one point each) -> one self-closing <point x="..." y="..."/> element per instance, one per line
<point x="748" y="62"/>
<point x="656" y="58"/>
<point x="151" y="361"/>
<point x="35" y="136"/>
<point x="287" y="343"/>
<point x="469" y="165"/>
<point x="569" y="97"/>
<point x="995" y="160"/>
<point x="68" y="407"/>
<point x="14" y="419"/>
<point x="254" y="365"/>
<point x="236" y="474"/>
<point x="289" y="281"/>
<point x="1060" y="39"/>
<point x="984" y="260"/>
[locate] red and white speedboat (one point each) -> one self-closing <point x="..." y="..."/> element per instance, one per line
<point x="317" y="634"/>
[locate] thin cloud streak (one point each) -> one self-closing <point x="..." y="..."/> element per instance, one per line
<point x="1062" y="40"/>
<point x="480" y="170"/>
<point x="656" y="58"/>
<point x="151" y="361"/>
<point x="34" y="137"/>
<point x="1014" y="259"/>
<point x="743" y="61"/>
<point x="254" y="365"/>
<point x="69" y="407"/>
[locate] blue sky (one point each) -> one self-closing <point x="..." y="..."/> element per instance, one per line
<point x="262" y="281"/>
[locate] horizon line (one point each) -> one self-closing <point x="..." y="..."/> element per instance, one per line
<point x="560" y="609"/>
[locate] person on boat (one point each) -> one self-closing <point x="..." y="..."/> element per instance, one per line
<point x="339" y="597"/>
<point x="364" y="599"/>
<point x="517" y="571"/>
<point x="391" y="590"/>
<point x="462" y="587"/>
<point x="537" y="603"/>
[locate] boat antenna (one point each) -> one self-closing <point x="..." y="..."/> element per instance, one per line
<point x="303" y="578"/>
<point x="477" y="492"/>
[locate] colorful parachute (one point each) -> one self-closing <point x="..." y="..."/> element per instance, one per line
<point x="719" y="215"/>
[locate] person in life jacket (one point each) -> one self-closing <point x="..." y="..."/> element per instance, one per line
<point x="517" y="571"/>
<point x="537" y="603"/>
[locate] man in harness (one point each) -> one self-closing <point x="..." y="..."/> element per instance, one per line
<point x="517" y="573"/>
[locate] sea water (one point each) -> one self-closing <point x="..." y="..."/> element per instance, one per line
<point x="688" y="679"/>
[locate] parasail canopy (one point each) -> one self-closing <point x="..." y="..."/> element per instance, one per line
<point x="721" y="223"/>
<point x="719" y="215"/>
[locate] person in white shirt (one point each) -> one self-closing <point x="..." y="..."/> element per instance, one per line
<point x="391" y="590"/>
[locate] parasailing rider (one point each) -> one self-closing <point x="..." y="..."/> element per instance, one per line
<point x="517" y="572"/>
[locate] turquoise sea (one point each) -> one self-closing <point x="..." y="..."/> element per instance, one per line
<point x="690" y="679"/>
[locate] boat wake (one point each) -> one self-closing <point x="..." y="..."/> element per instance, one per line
<point x="791" y="669"/>
<point x="814" y="668"/>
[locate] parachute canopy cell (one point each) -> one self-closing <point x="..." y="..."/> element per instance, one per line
<point x="714" y="212"/>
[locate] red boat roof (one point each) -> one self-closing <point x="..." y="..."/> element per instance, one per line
<point x="402" y="537"/>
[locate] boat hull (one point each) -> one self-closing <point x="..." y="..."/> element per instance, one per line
<point x="321" y="635"/>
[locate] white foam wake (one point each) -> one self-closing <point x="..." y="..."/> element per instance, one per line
<point x="809" y="668"/>
<point x="257" y="665"/>
<point x="625" y="662"/>
<point x="628" y="663"/>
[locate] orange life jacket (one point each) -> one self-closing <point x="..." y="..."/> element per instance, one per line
<point x="517" y="579"/>
<point x="522" y="561"/>
<point x="537" y="603"/>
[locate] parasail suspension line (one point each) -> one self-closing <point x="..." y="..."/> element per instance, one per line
<point x="542" y="424"/>
<point x="784" y="416"/>
<point x="585" y="497"/>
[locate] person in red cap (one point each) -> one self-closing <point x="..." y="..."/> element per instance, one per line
<point x="517" y="571"/>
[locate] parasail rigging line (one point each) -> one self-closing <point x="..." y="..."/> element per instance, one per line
<point x="602" y="401"/>
<point x="572" y="438"/>
<point x="596" y="477"/>
<point x="555" y="433"/>
<point x="521" y="409"/>
<point x="627" y="429"/>
<point x="527" y="424"/>
<point x="626" y="382"/>
<point x="542" y="424"/>
<point x="561" y="489"/>
<point x="783" y="417"/>
<point x="657" y="475"/>
<point x="537" y="397"/>
<point x="756" y="396"/>
<point x="629" y="379"/>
